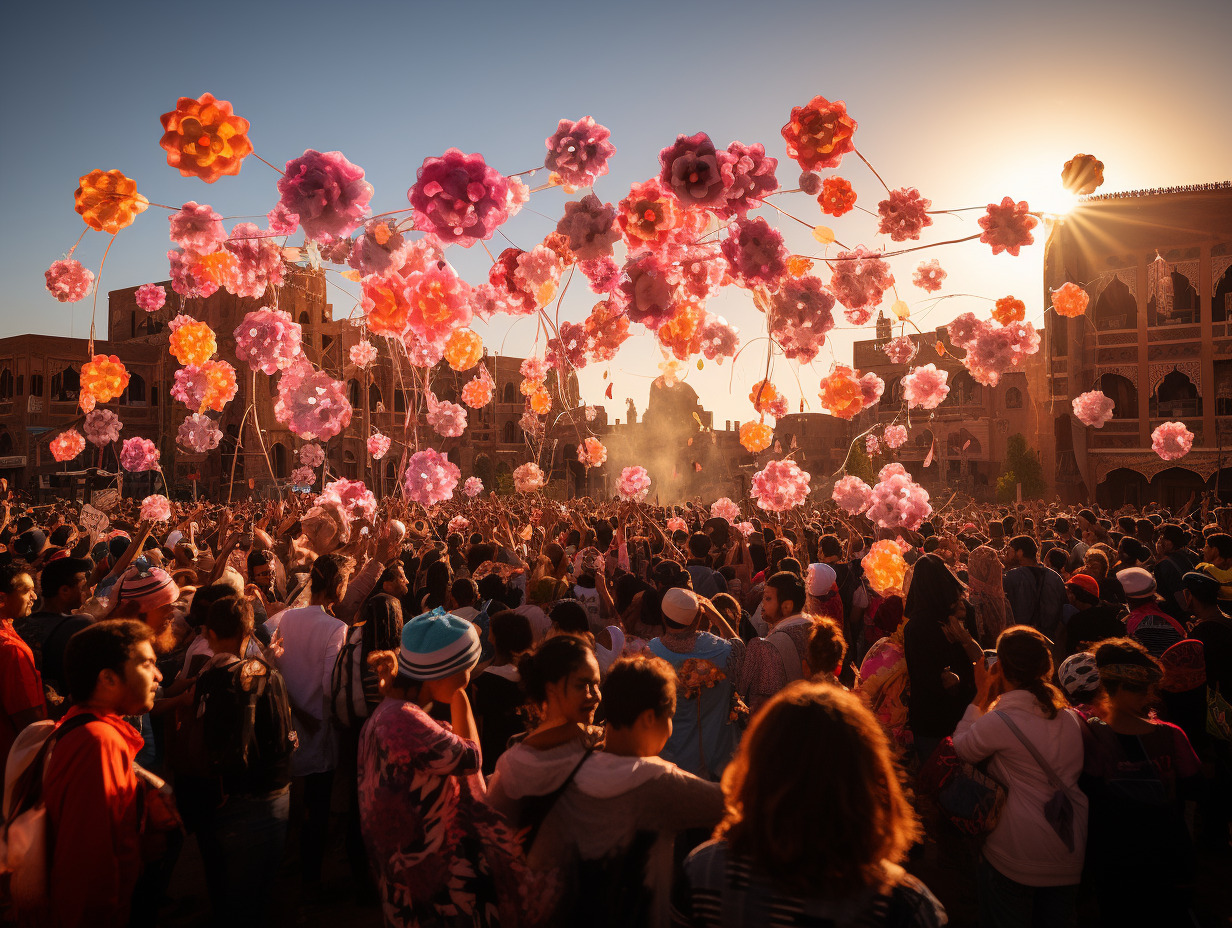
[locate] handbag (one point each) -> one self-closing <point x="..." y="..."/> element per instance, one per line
<point x="1059" y="809"/>
<point x="1218" y="715"/>
<point x="967" y="796"/>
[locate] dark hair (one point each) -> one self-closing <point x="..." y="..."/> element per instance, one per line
<point x="934" y="590"/>
<point x="1124" y="651"/>
<point x="727" y="604"/>
<point x="464" y="591"/>
<point x="826" y="645"/>
<point x="831" y="546"/>
<point x="230" y="617"/>
<point x="569" y="615"/>
<point x="1025" y="545"/>
<point x="788" y="586"/>
<point x="389" y="573"/>
<point x="491" y="586"/>
<point x="635" y="684"/>
<point x="257" y="557"/>
<point x="553" y="660"/>
<point x="9" y="574"/>
<point x="203" y="599"/>
<point x="1088" y="516"/>
<point x="1025" y="659"/>
<point x="102" y="646"/>
<point x="1056" y="558"/>
<point x="478" y="554"/>
<point x="327" y="572"/>
<point x="820" y="814"/>
<point x="1061" y="524"/>
<point x="61" y="573"/>
<point x="510" y="632"/>
<point x="1221" y="542"/>
<point x="699" y="544"/>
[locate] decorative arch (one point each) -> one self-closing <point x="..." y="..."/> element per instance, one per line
<point x="509" y="394"/>
<point x="135" y="392"/>
<point x="509" y="434"/>
<point x="1116" y="308"/>
<point x="1124" y="395"/>
<point x="353" y="393"/>
<point x="374" y="396"/>
<point x="278" y="459"/>
<point x="6" y="442"/>
<point x="7" y="384"/>
<point x="1175" y="395"/>
<point x="1013" y="398"/>
<point x="1221" y="294"/>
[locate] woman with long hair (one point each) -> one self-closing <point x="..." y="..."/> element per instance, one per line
<point x="1031" y="862"/>
<point x="816" y="824"/>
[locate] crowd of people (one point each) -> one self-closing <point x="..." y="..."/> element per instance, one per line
<point x="515" y="712"/>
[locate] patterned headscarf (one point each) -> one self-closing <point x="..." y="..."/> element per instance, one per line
<point x="987" y="594"/>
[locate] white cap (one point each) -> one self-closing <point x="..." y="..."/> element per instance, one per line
<point x="679" y="607"/>
<point x="821" y="578"/>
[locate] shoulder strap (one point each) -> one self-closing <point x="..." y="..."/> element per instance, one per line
<point x="1053" y="779"/>
<point x="788" y="654"/>
<point x="29" y="788"/>
<point x="547" y="802"/>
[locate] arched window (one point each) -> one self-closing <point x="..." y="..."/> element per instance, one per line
<point x="1176" y="397"/>
<point x="1116" y="308"/>
<point x="1184" y="307"/>
<point x="1221" y="305"/>
<point x="1013" y="398"/>
<point x="303" y="318"/>
<point x="21" y="384"/>
<point x="6" y="384"/>
<point x="353" y="393"/>
<point x="6" y="443"/>
<point x="510" y="434"/>
<point x="509" y="394"/>
<point x="374" y="396"/>
<point x="964" y="391"/>
<point x="36" y="384"/>
<point x="66" y="385"/>
<point x="278" y="458"/>
<point x="1122" y="392"/>
<point x="134" y="393"/>
<point x="350" y="468"/>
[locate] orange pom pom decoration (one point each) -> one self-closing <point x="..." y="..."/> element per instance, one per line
<point x="86" y="401"/>
<point x="680" y="333"/>
<point x="204" y="138"/>
<point x="756" y="436"/>
<point x="1009" y="310"/>
<point x="763" y="395"/>
<point x="540" y="401"/>
<point x="841" y="393"/>
<point x="798" y="266"/>
<point x="108" y="201"/>
<point x="529" y="387"/>
<point x="221" y="267"/>
<point x="463" y="349"/>
<point x="67" y="445"/>
<point x="221" y="386"/>
<point x="477" y="393"/>
<point x="1070" y="300"/>
<point x="884" y="567"/>
<point x="387" y="310"/>
<point x="1082" y="174"/>
<point x="103" y="378"/>
<point x="192" y="342"/>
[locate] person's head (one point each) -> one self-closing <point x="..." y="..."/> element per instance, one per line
<point x="728" y="607"/>
<point x="1129" y="675"/>
<point x="681" y="611"/>
<point x="813" y="796"/>
<point x="261" y="568"/>
<point x="826" y="647"/>
<point x="65" y="584"/>
<point x="1130" y="552"/>
<point x="477" y="554"/>
<point x="463" y="592"/>
<point x="1023" y="550"/>
<point x="670" y="574"/>
<point x="639" y="700"/>
<point x="1083" y="591"/>
<point x="1057" y="558"/>
<point x="16" y="592"/>
<point x="1217" y="550"/>
<point x="30" y="544"/>
<point x="1201" y="592"/>
<point x="562" y="675"/>
<point x="568" y="616"/>
<point x="228" y="622"/>
<point x="147" y="594"/>
<point x="1079" y="676"/>
<point x="699" y="545"/>
<point x="783" y="596"/>
<point x="1138" y="584"/>
<point x="393" y="580"/>
<point x="1062" y="527"/>
<point x="1172" y="537"/>
<point x="510" y="634"/>
<point x="934" y="593"/>
<point x="436" y="656"/>
<point x="830" y="548"/>
<point x="327" y="581"/>
<point x="1024" y="660"/>
<point x="111" y="665"/>
<point x="1095" y="562"/>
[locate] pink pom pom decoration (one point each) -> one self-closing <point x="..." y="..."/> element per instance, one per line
<point x="780" y="486"/>
<point x="439" y="302"/>
<point x="895" y="436"/>
<point x="746" y="528"/>
<point x="363" y="353"/>
<point x="898" y="501"/>
<point x="677" y="524"/>
<point x="67" y="445"/>
<point x="430" y="477"/>
<point x="872" y="444"/>
<point x="871" y="388"/>
<point x="281" y="221"/>
<point x="102" y="427"/>
<point x="852" y="494"/>
<point x="1093" y="408"/>
<point x="151" y="297"/>
<point x="197" y="228"/>
<point x="459" y="198"/>
<point x="311" y="403"/>
<point x="578" y="152"/>
<point x="448" y="419"/>
<point x="528" y="477"/>
<point x="634" y="483"/>
<point x="925" y="386"/>
<point x="269" y="340"/>
<point x="354" y="497"/>
<point x="303" y="477"/>
<point x="69" y="280"/>
<point x="199" y="433"/>
<point x="859" y="280"/>
<point x="724" y="508"/>
<point x="929" y="276"/>
<point x="312" y="455"/>
<point x="458" y="524"/>
<point x="473" y="487"/>
<point x="138" y="455"/>
<point x="899" y="350"/>
<point x="327" y="192"/>
<point x="592" y="453"/>
<point x="378" y="445"/>
<point x="258" y="261"/>
<point x="1172" y="441"/>
<point x="156" y="509"/>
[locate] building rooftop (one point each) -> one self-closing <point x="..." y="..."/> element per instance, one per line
<point x="1160" y="191"/>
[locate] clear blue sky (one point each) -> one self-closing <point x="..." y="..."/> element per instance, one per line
<point x="969" y="101"/>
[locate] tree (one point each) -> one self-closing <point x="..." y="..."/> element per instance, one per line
<point x="1021" y="466"/>
<point x="859" y="464"/>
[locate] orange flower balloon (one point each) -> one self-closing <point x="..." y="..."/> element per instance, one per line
<point x="385" y="305"/>
<point x="841" y="393"/>
<point x="222" y="267"/>
<point x="1009" y="310"/>
<point x="1082" y="174"/>
<point x="463" y="349"/>
<point x="756" y="436"/>
<point x="192" y="342"/>
<point x="220" y="385"/>
<point x="86" y="401"/>
<point x="203" y="137"/>
<point x="1070" y="300"/>
<point x="108" y="201"/>
<point x="885" y="567"/>
<point x="104" y="378"/>
<point x="540" y="401"/>
<point x="680" y="333"/>
<point x="763" y="395"/>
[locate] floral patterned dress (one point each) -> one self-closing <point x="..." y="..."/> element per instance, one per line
<point x="441" y="856"/>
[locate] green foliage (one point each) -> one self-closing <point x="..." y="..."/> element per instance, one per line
<point x="1021" y="465"/>
<point x="859" y="464"/>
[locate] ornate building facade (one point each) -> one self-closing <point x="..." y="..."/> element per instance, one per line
<point x="1156" y="339"/>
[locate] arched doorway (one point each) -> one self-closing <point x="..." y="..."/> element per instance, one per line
<point x="278" y="458"/>
<point x="1122" y="392"/>
<point x="1116" y="308"/>
<point x="1173" y="487"/>
<point x="1176" y="397"/>
<point x="1123" y="487"/>
<point x="1221" y="305"/>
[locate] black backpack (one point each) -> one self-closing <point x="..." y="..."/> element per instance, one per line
<point x="241" y="729"/>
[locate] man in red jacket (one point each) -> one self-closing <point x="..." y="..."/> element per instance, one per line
<point x="91" y="789"/>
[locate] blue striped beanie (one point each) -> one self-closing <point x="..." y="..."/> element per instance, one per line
<point x="436" y="645"/>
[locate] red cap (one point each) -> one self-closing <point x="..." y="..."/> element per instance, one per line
<point x="1085" y="582"/>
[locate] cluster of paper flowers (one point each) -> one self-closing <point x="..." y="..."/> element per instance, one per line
<point x="852" y="494"/>
<point x="69" y="280"/>
<point x="885" y="567"/>
<point x="199" y="433"/>
<point x="378" y="445"/>
<point x="477" y="392"/>
<point x="463" y="349"/>
<point x="929" y="276"/>
<point x="578" y="152"/>
<point x="156" y="509"/>
<point x="473" y="487"/>
<point x="210" y="386"/>
<point x="900" y="350"/>
<point x="1007" y="226"/>
<point x="353" y="496"/>
<point x="898" y="501"/>
<point x="780" y="485"/>
<point x="430" y="477"/>
<point x="993" y="349"/>
<point x="859" y="280"/>
<point x="634" y="483"/>
<point x="448" y="419"/>
<point x="459" y="198"/>
<point x="138" y="455"/>
<point x="67" y="445"/>
<point x="528" y="477"/>
<point x="311" y="455"/>
<point x="802" y="312"/>
<point x="895" y="436"/>
<point x="872" y="444"/>
<point x="756" y="436"/>
<point x="102" y="427"/>
<point x="592" y="453"/>
<point x="1070" y="300"/>
<point x="303" y="477"/>
<point x="104" y="378"/>
<point x="724" y="508"/>
<point x="311" y="403"/>
<point x="842" y="393"/>
<point x="1092" y="408"/>
<point x="269" y="340"/>
<point x="192" y="342"/>
<point x="458" y="525"/>
<point x="108" y="201"/>
<point x="150" y="297"/>
<point x="326" y="192"/>
<point x="1171" y="440"/>
<point x="363" y="353"/>
<point x="925" y="386"/>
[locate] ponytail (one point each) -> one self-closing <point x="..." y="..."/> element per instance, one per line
<point x="553" y="660"/>
<point x="1050" y="698"/>
<point x="1025" y="658"/>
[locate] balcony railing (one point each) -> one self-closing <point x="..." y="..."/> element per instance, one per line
<point x="1190" y="407"/>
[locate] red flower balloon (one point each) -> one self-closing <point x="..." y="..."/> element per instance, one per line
<point x="204" y="138"/>
<point x="819" y="133"/>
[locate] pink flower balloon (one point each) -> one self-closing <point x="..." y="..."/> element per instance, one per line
<point x="156" y="509"/>
<point x="378" y="445"/>
<point x="898" y="501"/>
<point x="138" y="455"/>
<point x="312" y="455"/>
<point x="197" y="228"/>
<point x="724" y="508"/>
<point x="852" y="494"/>
<point x="925" y="386"/>
<point x="458" y="525"/>
<point x="151" y="297"/>
<point x="528" y="477"/>
<point x="1092" y="408"/>
<point x="592" y="453"/>
<point x="448" y="419"/>
<point x="634" y="483"/>
<point x="780" y="485"/>
<point x="1172" y="441"/>
<point x="103" y="427"/>
<point x="459" y="198"/>
<point x="895" y="435"/>
<point x="269" y="340"/>
<point x="430" y="477"/>
<point x="354" y="497"/>
<point x="68" y="280"/>
<point x="303" y="477"/>
<point x="363" y="353"/>
<point x="199" y="433"/>
<point x="311" y="403"/>
<point x="67" y="445"/>
<point x="327" y="193"/>
<point x="473" y="487"/>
